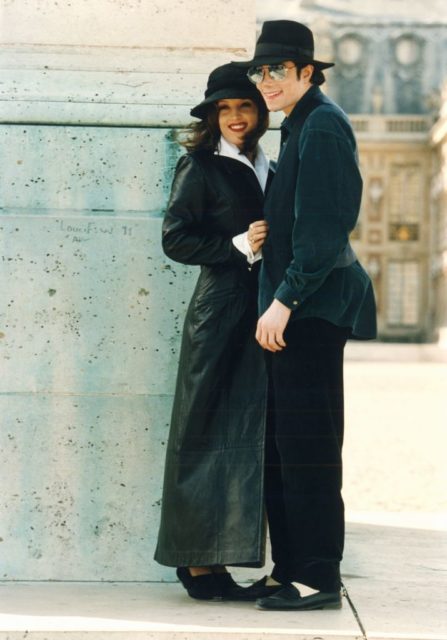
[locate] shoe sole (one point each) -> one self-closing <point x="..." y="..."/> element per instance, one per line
<point x="232" y="599"/>
<point x="245" y="597"/>
<point x="212" y="599"/>
<point x="310" y="607"/>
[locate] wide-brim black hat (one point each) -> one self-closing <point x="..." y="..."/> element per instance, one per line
<point x="228" y="81"/>
<point x="282" y="40"/>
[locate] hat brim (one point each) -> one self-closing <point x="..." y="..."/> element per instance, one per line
<point x="260" y="60"/>
<point x="201" y="110"/>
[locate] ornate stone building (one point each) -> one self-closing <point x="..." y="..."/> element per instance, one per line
<point x="438" y="227"/>
<point x="391" y="62"/>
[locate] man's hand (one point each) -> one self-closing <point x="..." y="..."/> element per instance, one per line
<point x="271" y="326"/>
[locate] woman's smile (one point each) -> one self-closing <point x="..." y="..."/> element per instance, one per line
<point x="237" y="118"/>
<point x="238" y="127"/>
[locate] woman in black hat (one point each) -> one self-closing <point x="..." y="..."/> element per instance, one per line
<point x="212" y="507"/>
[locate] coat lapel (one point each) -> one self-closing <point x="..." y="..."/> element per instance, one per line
<point x="233" y="166"/>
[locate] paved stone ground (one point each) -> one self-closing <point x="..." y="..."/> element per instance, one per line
<point x="396" y="429"/>
<point x="395" y="454"/>
<point x="395" y="578"/>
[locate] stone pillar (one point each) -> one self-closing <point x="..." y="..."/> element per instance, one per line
<point x="91" y="311"/>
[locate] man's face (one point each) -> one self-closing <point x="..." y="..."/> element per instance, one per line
<point x="282" y="95"/>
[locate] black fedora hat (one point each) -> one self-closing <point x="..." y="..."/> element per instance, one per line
<point x="282" y="40"/>
<point x="227" y="81"/>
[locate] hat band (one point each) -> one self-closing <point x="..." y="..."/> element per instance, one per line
<point x="273" y="49"/>
<point x="239" y="86"/>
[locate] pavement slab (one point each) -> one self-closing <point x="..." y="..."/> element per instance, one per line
<point x="95" y="610"/>
<point x="395" y="579"/>
<point x="395" y="566"/>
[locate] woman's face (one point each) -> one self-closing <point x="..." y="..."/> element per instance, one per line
<point x="237" y="117"/>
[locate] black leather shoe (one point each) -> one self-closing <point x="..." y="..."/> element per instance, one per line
<point x="290" y="599"/>
<point x="203" y="587"/>
<point x="256" y="590"/>
<point x="229" y="589"/>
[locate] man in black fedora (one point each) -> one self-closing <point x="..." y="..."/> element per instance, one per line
<point x="314" y="295"/>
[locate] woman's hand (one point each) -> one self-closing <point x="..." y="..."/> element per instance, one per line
<point x="256" y="234"/>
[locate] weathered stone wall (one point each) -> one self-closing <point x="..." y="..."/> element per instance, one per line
<point x="91" y="311"/>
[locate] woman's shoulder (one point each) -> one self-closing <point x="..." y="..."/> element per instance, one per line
<point x="197" y="161"/>
<point x="198" y="156"/>
<point x="193" y="171"/>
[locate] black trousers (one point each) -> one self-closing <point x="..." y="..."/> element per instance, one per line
<point x="303" y="475"/>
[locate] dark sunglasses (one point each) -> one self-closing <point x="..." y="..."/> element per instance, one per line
<point x="276" y="72"/>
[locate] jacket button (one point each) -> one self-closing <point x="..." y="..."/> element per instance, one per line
<point x="295" y="302"/>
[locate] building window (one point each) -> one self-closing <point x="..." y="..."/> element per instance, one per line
<point x="404" y="232"/>
<point x="405" y="204"/>
<point x="403" y="294"/>
<point x="356" y="233"/>
<point x="408" y="50"/>
<point x="350" y="50"/>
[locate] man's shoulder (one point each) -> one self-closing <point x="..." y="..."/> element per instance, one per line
<point x="328" y="114"/>
<point x="328" y="117"/>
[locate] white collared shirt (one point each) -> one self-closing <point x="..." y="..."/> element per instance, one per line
<point x="260" y="167"/>
<point x="261" y="170"/>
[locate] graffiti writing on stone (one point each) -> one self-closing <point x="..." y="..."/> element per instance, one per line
<point x="83" y="232"/>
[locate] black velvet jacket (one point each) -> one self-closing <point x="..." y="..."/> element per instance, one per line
<point x="312" y="206"/>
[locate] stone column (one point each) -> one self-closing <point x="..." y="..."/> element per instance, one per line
<point x="91" y="311"/>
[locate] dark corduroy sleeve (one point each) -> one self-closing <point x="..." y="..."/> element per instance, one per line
<point x="327" y="202"/>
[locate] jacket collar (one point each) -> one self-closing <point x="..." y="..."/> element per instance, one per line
<point x="302" y="108"/>
<point x="261" y="166"/>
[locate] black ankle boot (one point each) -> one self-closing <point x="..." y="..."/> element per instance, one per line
<point x="204" y="587"/>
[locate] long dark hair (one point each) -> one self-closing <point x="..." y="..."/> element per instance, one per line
<point x="205" y="134"/>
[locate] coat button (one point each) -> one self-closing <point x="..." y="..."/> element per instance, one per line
<point x="295" y="302"/>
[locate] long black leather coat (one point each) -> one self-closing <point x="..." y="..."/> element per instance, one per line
<point x="212" y="507"/>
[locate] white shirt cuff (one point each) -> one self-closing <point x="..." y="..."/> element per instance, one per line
<point x="241" y="243"/>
